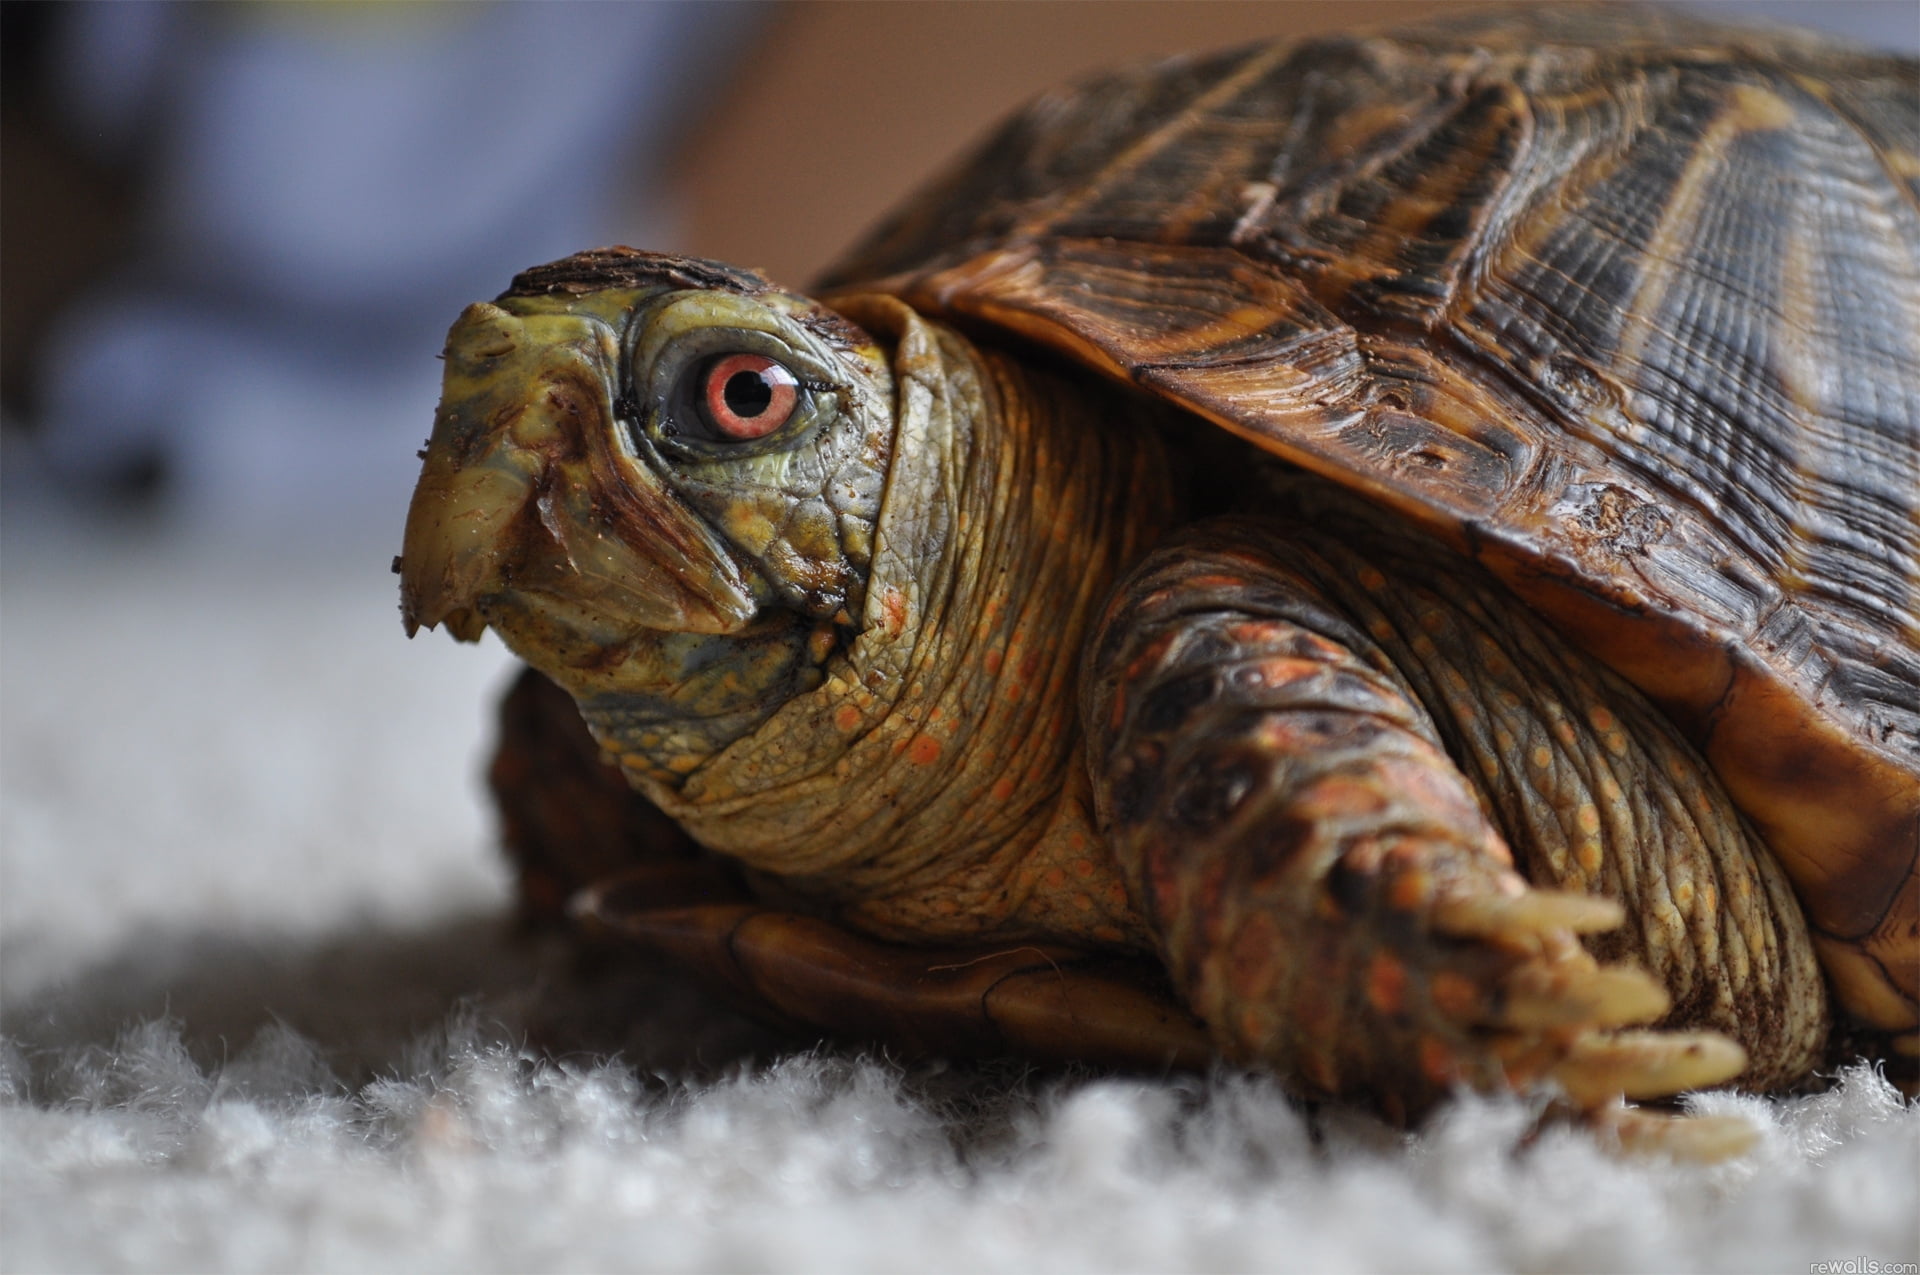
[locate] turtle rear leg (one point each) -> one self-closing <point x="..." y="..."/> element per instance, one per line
<point x="1330" y="893"/>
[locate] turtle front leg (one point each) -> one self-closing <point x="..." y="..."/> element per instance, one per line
<point x="1328" y="891"/>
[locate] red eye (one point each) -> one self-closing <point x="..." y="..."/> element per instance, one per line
<point x="748" y="396"/>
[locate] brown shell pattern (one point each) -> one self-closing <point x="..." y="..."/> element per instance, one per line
<point x="1622" y="304"/>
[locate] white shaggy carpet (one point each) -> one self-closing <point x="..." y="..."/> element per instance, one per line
<point x="262" y="1013"/>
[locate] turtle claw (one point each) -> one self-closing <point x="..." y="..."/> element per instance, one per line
<point x="1600" y="1067"/>
<point x="1574" y="994"/>
<point x="1692" y="1139"/>
<point x="1523" y="920"/>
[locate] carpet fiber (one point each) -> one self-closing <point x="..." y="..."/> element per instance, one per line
<point x="262" y="1012"/>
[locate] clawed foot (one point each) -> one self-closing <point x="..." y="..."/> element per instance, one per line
<point x="1554" y="1012"/>
<point x="1544" y="1011"/>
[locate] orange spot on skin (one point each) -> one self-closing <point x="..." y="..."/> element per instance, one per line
<point x="1371" y="579"/>
<point x="1216" y="580"/>
<point x="846" y="718"/>
<point x="1436" y="1060"/>
<point x="1340" y="795"/>
<point x="893" y="612"/>
<point x="924" y="750"/>
<point x="1283" y="670"/>
<point x="1256" y="632"/>
<point x="1602" y="720"/>
<point x="1589" y="856"/>
<point x="1542" y="756"/>
<point x="1082" y="867"/>
<point x="1117" y="895"/>
<point x="1386" y="984"/>
<point x="994" y="660"/>
<point x="1054" y="878"/>
<point x="1588" y="818"/>
<point x="1002" y="789"/>
<point x="1409" y="891"/>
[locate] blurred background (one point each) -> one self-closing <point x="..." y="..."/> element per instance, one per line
<point x="234" y="233"/>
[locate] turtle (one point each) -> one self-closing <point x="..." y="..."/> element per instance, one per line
<point x="1391" y="558"/>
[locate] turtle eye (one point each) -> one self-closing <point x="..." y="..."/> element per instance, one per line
<point x="747" y="396"/>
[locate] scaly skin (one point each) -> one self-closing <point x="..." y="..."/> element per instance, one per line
<point x="1335" y="897"/>
<point x="874" y="700"/>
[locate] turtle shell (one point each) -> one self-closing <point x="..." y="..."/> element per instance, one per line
<point x="1622" y="305"/>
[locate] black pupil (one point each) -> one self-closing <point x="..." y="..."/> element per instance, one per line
<point x="747" y="394"/>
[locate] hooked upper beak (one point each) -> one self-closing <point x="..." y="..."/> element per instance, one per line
<point x="528" y="505"/>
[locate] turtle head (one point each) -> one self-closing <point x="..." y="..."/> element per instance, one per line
<point x="644" y="466"/>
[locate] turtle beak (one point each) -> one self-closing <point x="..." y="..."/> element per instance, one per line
<point x="532" y="514"/>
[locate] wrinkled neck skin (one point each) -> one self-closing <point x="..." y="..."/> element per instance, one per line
<point x="924" y="778"/>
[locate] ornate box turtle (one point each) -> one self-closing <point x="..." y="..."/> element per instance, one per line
<point x="1393" y="558"/>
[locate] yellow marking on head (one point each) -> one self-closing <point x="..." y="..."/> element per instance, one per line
<point x="1683" y="893"/>
<point x="1589" y="858"/>
<point x="1542" y="756"/>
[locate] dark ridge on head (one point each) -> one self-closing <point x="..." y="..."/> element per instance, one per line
<point x="600" y="268"/>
